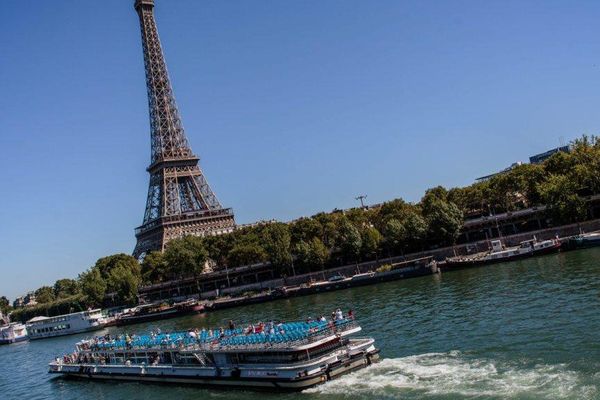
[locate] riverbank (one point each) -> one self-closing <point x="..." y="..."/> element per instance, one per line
<point x="405" y="270"/>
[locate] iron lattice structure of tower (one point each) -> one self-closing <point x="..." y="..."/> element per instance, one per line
<point x="180" y="201"/>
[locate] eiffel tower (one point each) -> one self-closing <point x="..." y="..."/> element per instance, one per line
<point x="180" y="202"/>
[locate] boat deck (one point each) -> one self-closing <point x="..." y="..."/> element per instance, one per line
<point x="287" y="335"/>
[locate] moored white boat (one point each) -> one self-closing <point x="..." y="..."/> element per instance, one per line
<point x="68" y="324"/>
<point x="13" y="333"/>
<point x="584" y="240"/>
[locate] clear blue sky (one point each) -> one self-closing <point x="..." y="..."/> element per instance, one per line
<point x="293" y="106"/>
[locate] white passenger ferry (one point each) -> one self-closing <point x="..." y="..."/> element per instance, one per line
<point x="283" y="356"/>
<point x="84" y="321"/>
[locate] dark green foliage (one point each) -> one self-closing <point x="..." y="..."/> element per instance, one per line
<point x="118" y="275"/>
<point x="371" y="241"/>
<point x="185" y="257"/>
<point x="560" y="194"/>
<point x="443" y="217"/>
<point x="247" y="251"/>
<point x="93" y="286"/>
<point x="154" y="268"/>
<point x="64" y="288"/>
<point x="4" y="305"/>
<point x="305" y="229"/>
<point x="276" y="240"/>
<point x="311" y="256"/>
<point x="349" y="241"/>
<point x="58" y="307"/>
<point x="45" y="294"/>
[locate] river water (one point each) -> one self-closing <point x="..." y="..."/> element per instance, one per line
<point x="521" y="330"/>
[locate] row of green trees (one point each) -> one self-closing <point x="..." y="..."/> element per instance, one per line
<point x="561" y="182"/>
<point x="317" y="242"/>
<point x="113" y="280"/>
<point x="330" y="239"/>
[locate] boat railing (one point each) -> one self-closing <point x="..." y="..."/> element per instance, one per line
<point x="291" y="340"/>
<point x="237" y="340"/>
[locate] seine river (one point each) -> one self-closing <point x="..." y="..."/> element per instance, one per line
<point x="522" y="330"/>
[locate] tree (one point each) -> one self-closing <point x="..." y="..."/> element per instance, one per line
<point x="186" y="256"/>
<point x="246" y="252"/>
<point x="312" y="255"/>
<point x="329" y="224"/>
<point x="4" y="305"/>
<point x="154" y="268"/>
<point x="301" y="253"/>
<point x="371" y="240"/>
<point x="118" y="272"/>
<point x="415" y="229"/>
<point x="64" y="288"/>
<point x="45" y="294"/>
<point x="318" y="254"/>
<point x="305" y="229"/>
<point x="444" y="218"/>
<point x="108" y="263"/>
<point x="124" y="282"/>
<point x="560" y="194"/>
<point x="394" y="235"/>
<point x="276" y="241"/>
<point x="349" y="241"/>
<point x="395" y="209"/>
<point x="93" y="286"/>
<point x="218" y="248"/>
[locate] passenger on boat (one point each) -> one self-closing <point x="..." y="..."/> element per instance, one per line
<point x="322" y="319"/>
<point x="350" y="314"/>
<point x="271" y="328"/>
<point x="231" y="325"/>
<point x="260" y="328"/>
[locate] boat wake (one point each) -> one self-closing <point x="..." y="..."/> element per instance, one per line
<point x="441" y="375"/>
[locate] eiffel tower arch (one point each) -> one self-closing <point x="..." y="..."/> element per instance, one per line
<point x="180" y="202"/>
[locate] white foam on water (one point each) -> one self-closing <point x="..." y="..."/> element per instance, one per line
<point x="447" y="374"/>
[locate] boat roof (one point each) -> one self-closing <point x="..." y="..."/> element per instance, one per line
<point x="36" y="319"/>
<point x="42" y="318"/>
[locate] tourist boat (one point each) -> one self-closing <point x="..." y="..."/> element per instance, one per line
<point x="288" y="356"/>
<point x="155" y="312"/>
<point x="13" y="333"/>
<point x="584" y="240"/>
<point x="500" y="253"/>
<point x="68" y="324"/>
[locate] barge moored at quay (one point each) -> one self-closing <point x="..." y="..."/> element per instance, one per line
<point x="286" y="356"/>
<point x="499" y="253"/>
<point x="158" y="311"/>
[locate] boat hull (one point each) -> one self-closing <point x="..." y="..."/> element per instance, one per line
<point x="13" y="340"/>
<point x="95" y="372"/>
<point x="583" y="243"/>
<point x="67" y="332"/>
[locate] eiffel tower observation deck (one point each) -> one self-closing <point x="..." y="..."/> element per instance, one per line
<point x="180" y="202"/>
